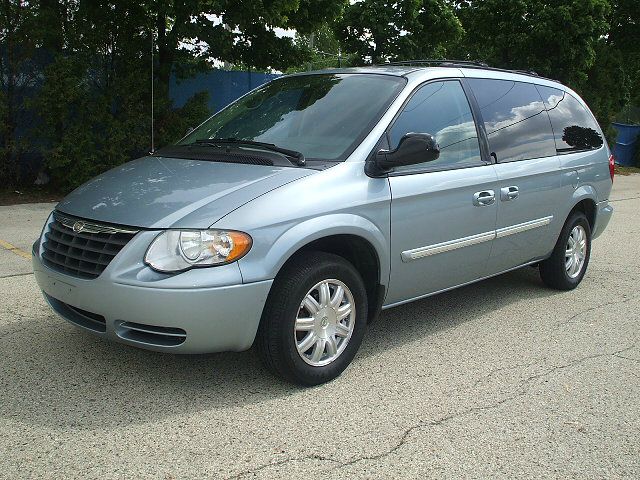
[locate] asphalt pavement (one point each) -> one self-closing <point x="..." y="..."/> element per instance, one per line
<point x="501" y="379"/>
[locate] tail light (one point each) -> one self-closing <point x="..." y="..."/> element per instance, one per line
<point x="612" y="166"/>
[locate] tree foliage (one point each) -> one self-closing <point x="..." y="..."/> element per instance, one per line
<point x="554" y="38"/>
<point x="592" y="46"/>
<point x="18" y="77"/>
<point x="573" y="42"/>
<point x="622" y="47"/>
<point x="326" y="50"/>
<point x="93" y="82"/>
<point x="383" y="30"/>
<point x="75" y="74"/>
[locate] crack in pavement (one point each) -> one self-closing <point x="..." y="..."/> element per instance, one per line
<point x="253" y="471"/>
<point x="623" y="199"/>
<point x="16" y="275"/>
<point x="627" y="358"/>
<point x="497" y="370"/>
<point x="596" y="307"/>
<point x="521" y="391"/>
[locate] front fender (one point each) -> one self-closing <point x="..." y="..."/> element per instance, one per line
<point x="267" y="258"/>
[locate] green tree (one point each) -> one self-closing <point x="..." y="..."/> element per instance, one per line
<point x="614" y="78"/>
<point x="382" y="30"/>
<point x="237" y="32"/>
<point x="325" y="50"/>
<point x="95" y="101"/>
<point x="18" y="78"/>
<point x="623" y="40"/>
<point x="556" y="38"/>
<point x="93" y="105"/>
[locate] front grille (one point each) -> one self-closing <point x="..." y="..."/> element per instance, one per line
<point x="82" y="248"/>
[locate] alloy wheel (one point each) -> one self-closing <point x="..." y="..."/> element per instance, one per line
<point x="325" y="322"/>
<point x="575" y="251"/>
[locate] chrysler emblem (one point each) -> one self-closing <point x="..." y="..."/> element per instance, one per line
<point x="78" y="227"/>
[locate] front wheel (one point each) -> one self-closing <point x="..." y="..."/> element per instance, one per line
<point x="567" y="265"/>
<point x="314" y="319"/>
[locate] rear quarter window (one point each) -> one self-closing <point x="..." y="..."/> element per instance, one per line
<point x="574" y="127"/>
<point x="514" y="117"/>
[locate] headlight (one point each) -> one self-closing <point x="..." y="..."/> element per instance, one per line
<point x="177" y="250"/>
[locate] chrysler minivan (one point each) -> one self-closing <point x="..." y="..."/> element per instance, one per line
<point x="291" y="218"/>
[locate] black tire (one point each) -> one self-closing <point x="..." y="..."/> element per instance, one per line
<point x="275" y="341"/>
<point x="553" y="270"/>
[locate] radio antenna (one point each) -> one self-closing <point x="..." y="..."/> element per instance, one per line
<point x="152" y="112"/>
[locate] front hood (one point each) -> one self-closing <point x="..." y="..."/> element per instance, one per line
<point x="158" y="192"/>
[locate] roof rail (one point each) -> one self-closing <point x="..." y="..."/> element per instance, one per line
<point x="523" y="72"/>
<point x="440" y="62"/>
<point x="460" y="64"/>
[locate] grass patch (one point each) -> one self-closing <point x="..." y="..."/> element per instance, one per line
<point x="620" y="170"/>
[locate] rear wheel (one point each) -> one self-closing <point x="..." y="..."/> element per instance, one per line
<point x="314" y="319"/>
<point x="567" y="265"/>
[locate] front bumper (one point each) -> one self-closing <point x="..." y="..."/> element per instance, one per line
<point x="604" y="211"/>
<point x="177" y="320"/>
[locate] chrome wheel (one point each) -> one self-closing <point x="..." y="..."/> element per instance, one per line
<point x="325" y="322"/>
<point x="575" y="251"/>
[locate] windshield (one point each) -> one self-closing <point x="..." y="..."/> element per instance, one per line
<point x="322" y="116"/>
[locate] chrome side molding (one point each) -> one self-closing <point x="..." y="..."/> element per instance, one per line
<point x="523" y="227"/>
<point x="447" y="246"/>
<point x="420" y="252"/>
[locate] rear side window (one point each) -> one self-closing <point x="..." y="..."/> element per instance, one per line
<point x="574" y="127"/>
<point x="514" y="117"/>
<point x="441" y="109"/>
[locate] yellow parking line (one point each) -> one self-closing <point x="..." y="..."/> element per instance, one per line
<point x="14" y="249"/>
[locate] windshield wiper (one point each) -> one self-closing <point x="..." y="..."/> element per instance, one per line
<point x="297" y="156"/>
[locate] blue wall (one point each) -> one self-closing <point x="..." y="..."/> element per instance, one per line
<point x="224" y="86"/>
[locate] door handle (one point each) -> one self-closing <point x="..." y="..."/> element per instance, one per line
<point x="484" y="198"/>
<point x="509" y="193"/>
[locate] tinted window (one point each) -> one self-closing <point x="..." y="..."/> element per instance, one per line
<point x="573" y="126"/>
<point x="514" y="117"/>
<point x="441" y="109"/>
<point x="322" y="116"/>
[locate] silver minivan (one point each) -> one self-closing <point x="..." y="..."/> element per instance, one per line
<point x="291" y="218"/>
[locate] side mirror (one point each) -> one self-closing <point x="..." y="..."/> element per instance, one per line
<point x="413" y="148"/>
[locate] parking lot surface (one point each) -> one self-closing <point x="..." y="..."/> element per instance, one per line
<point x="500" y="379"/>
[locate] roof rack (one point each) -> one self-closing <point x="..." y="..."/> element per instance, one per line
<point x="523" y="72"/>
<point x="440" y="62"/>
<point x="459" y="64"/>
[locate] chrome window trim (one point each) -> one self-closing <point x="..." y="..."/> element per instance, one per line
<point x="90" y="227"/>
<point x="421" y="252"/>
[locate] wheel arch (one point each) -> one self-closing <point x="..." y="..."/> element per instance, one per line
<point x="352" y="237"/>
<point x="584" y="200"/>
<point x="362" y="255"/>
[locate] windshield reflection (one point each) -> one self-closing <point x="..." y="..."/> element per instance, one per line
<point x="323" y="116"/>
